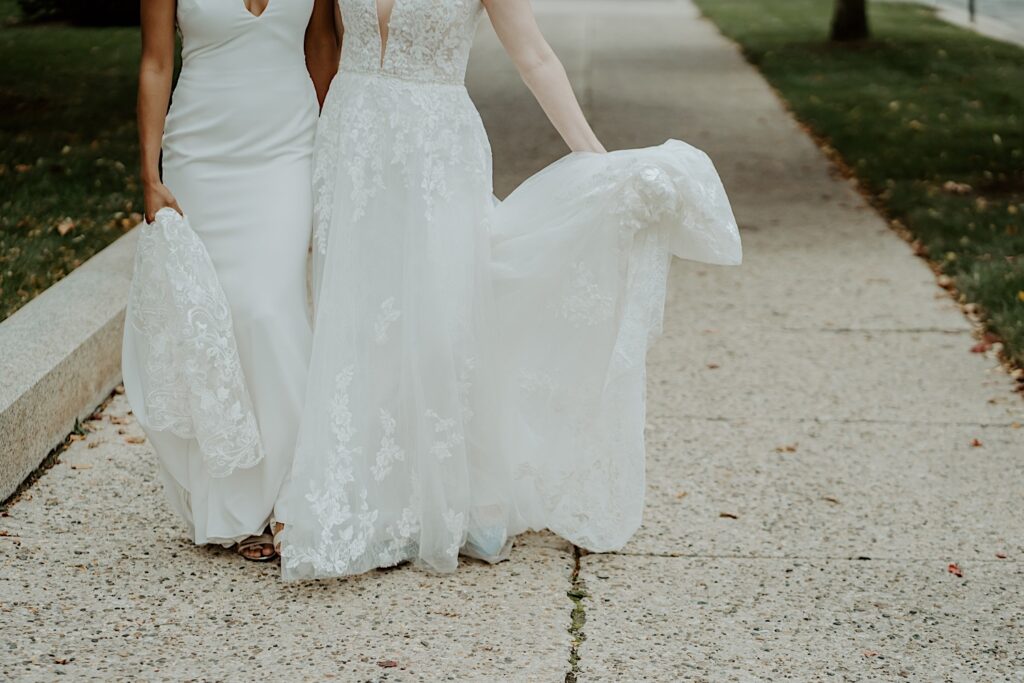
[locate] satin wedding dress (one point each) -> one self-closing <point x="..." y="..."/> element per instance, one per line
<point x="477" y="368"/>
<point x="217" y="335"/>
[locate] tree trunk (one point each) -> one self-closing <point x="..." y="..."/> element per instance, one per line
<point x="850" y="20"/>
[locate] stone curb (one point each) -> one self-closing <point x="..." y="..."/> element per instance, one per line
<point x="60" y="356"/>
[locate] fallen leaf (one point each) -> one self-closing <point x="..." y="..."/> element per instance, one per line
<point x="713" y="366"/>
<point x="387" y="664"/>
<point x="1001" y="555"/>
<point x="728" y="515"/>
<point x="955" y="570"/>
<point x="830" y="499"/>
<point x="135" y="439"/>
<point x="954" y="187"/>
<point x="65" y="226"/>
<point x="791" y="448"/>
<point x="975" y="443"/>
<point x="681" y="495"/>
<point x="76" y="437"/>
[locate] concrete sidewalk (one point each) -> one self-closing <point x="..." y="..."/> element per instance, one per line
<point x="811" y="468"/>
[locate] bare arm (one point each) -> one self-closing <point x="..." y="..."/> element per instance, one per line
<point x="323" y="45"/>
<point x="541" y="70"/>
<point x="156" y="69"/>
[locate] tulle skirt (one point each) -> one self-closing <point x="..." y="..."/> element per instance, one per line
<point x="478" y="368"/>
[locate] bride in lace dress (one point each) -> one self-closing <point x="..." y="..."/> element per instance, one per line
<point x="477" y="368"/>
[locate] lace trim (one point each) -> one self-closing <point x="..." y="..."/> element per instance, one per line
<point x="195" y="384"/>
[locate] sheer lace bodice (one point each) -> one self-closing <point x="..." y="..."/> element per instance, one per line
<point x="428" y="40"/>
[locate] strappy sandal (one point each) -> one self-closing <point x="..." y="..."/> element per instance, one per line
<point x="276" y="535"/>
<point x="264" y="539"/>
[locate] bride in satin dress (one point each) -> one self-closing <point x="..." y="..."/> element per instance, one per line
<point x="477" y="367"/>
<point x="217" y="334"/>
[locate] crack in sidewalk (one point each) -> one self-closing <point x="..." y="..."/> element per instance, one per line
<point x="578" y="617"/>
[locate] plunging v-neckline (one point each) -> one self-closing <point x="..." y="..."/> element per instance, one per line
<point x="252" y="14"/>
<point x="384" y="26"/>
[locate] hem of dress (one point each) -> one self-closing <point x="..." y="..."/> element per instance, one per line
<point x="224" y="542"/>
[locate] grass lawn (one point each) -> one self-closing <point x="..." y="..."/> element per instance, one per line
<point x="68" y="153"/>
<point x="930" y="117"/>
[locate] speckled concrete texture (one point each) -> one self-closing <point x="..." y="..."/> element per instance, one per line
<point x="833" y="489"/>
<point x="720" y="619"/>
<point x="822" y="443"/>
<point x="822" y="447"/>
<point x="97" y="582"/>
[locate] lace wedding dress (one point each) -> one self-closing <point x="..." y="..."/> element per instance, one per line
<point x="477" y="368"/>
<point x="217" y="334"/>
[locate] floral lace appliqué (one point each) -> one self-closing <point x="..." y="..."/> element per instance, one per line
<point x="447" y="436"/>
<point x="195" y="384"/>
<point x="390" y="452"/>
<point x="584" y="303"/>
<point x="385" y="317"/>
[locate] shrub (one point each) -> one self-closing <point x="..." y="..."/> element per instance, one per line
<point x="82" y="12"/>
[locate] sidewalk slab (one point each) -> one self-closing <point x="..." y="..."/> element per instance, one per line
<point x="786" y="488"/>
<point x="98" y="581"/>
<point x="673" y="619"/>
<point x="848" y="295"/>
<point x="763" y="373"/>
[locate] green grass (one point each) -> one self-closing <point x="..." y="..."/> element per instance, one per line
<point x="920" y="104"/>
<point x="68" y="149"/>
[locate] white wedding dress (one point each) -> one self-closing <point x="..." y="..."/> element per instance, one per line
<point x="217" y="334"/>
<point x="477" y="368"/>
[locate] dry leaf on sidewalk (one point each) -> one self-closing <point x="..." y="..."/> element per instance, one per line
<point x="955" y="570"/>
